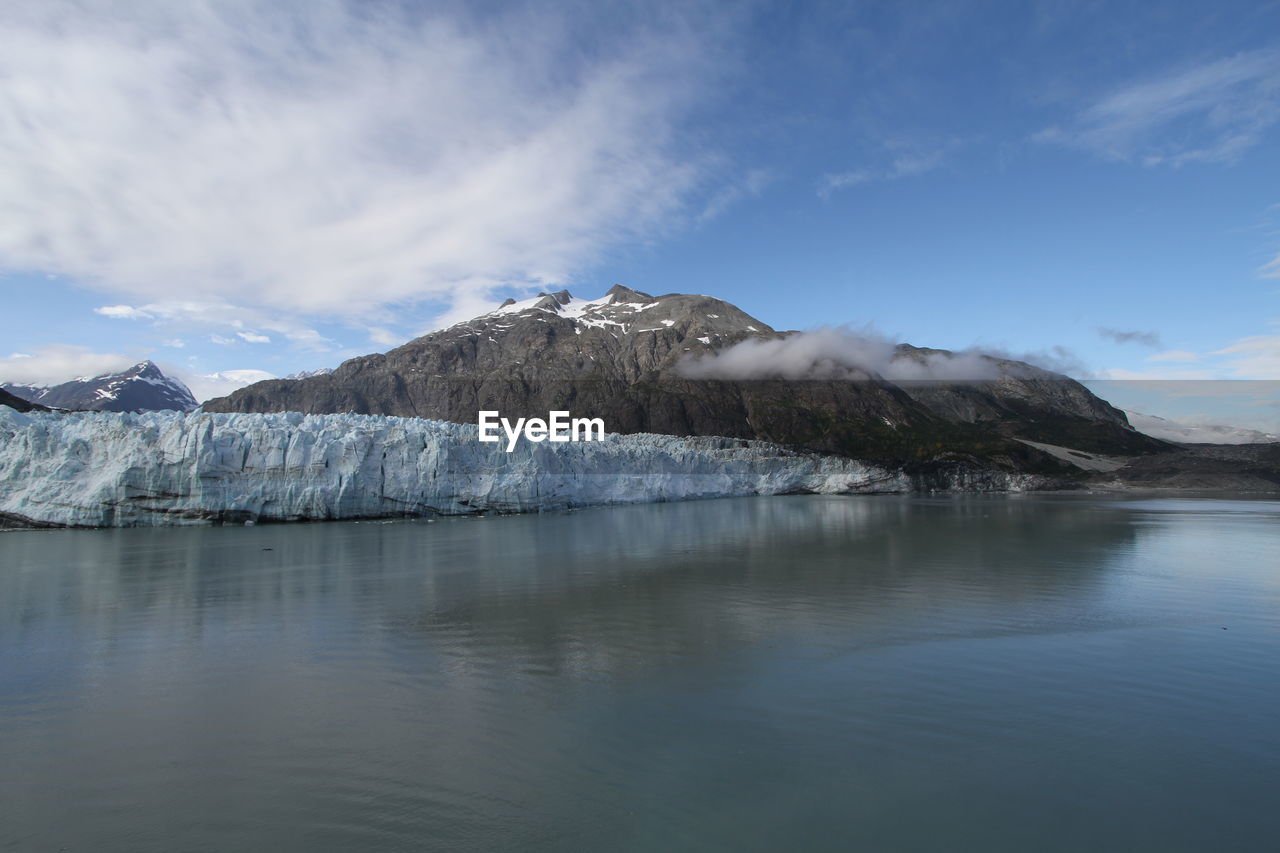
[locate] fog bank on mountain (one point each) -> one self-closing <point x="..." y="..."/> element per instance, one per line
<point x="837" y="353"/>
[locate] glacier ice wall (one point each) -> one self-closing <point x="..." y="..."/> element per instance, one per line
<point x="110" y="469"/>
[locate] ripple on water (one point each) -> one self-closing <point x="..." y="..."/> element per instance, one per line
<point x="978" y="673"/>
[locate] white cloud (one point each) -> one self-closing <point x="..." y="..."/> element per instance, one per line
<point x="1209" y="113"/>
<point x="747" y="186"/>
<point x="834" y="353"/>
<point x="906" y="159"/>
<point x="386" y="337"/>
<point x="1254" y="357"/>
<point x="206" y="386"/>
<point x="222" y="341"/>
<point x="1174" y="355"/>
<point x="123" y="312"/>
<point x="327" y="159"/>
<point x="205" y="315"/>
<point x="465" y="307"/>
<point x="59" y="363"/>
<point x="253" y="337"/>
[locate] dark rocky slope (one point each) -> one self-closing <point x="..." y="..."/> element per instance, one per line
<point x="621" y="358"/>
<point x="1207" y="467"/>
<point x="15" y="402"/>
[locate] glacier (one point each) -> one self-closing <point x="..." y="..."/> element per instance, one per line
<point x="107" y="469"/>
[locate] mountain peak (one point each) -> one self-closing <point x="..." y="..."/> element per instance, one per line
<point x="553" y="301"/>
<point x="146" y="369"/>
<point x="142" y="387"/>
<point x="620" y="293"/>
<point x="620" y="356"/>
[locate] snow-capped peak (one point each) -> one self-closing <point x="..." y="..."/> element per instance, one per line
<point x="307" y="374"/>
<point x="566" y="304"/>
<point x="622" y="311"/>
<point x="139" y="388"/>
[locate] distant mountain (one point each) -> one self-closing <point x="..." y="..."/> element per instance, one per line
<point x="625" y="357"/>
<point x="143" y="387"/>
<point x="307" y="374"/>
<point x="24" y="391"/>
<point x="15" y="402"/>
<point x="239" y="378"/>
<point x="1168" y="430"/>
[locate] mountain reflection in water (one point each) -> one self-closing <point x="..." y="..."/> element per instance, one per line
<point x="984" y="673"/>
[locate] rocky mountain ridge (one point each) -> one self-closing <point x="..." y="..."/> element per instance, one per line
<point x="625" y="357"/>
<point x="143" y="387"/>
<point x="15" y="402"/>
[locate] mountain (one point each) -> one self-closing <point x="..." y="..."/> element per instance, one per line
<point x="307" y="374"/>
<point x="632" y="359"/>
<point x="143" y="387"/>
<point x="1162" y="428"/>
<point x="15" y="402"/>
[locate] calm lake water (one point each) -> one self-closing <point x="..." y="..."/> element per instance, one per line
<point x="825" y="673"/>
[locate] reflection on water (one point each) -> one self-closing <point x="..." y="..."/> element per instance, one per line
<point x="964" y="673"/>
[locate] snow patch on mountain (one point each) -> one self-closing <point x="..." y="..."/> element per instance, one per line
<point x="28" y="392"/>
<point x="614" y="312"/>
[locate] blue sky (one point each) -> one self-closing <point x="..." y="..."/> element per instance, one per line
<point x="244" y="185"/>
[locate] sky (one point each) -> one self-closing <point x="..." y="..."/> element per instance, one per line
<point x="241" y="186"/>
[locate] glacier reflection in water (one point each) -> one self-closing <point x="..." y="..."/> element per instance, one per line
<point x="971" y="673"/>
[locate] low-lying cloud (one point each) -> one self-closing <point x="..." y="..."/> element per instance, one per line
<point x="838" y="353"/>
<point x="1197" y="429"/>
<point x="53" y="365"/>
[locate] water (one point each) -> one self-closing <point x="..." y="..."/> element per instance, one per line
<point x="826" y="673"/>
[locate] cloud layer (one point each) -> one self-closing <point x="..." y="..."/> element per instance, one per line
<point x="906" y="159"/>
<point x="330" y="158"/>
<point x="836" y="353"/>
<point x="1256" y="357"/>
<point x="1207" y="113"/>
<point x="53" y="365"/>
